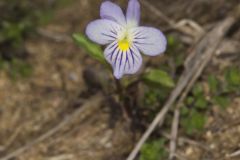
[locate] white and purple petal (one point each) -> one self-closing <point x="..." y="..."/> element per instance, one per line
<point x="123" y="62"/>
<point x="103" y="31"/>
<point x="112" y="12"/>
<point x="133" y="13"/>
<point x="148" y="40"/>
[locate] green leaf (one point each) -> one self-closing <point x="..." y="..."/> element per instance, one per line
<point x="151" y="97"/>
<point x="184" y="111"/>
<point x="197" y="90"/>
<point x="179" y="60"/>
<point x="233" y="76"/>
<point x="159" y="78"/>
<point x="194" y="122"/>
<point x="223" y="102"/>
<point x="12" y="30"/>
<point x="213" y="84"/>
<point x="201" y="102"/>
<point x="153" y="150"/>
<point x="92" y="49"/>
<point x="171" y="41"/>
<point x="190" y="100"/>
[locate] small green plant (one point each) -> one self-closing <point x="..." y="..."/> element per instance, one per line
<point x="194" y="111"/>
<point x="154" y="150"/>
<point x="196" y="105"/>
<point x="232" y="79"/>
<point x="213" y="84"/>
<point x="222" y="101"/>
<point x="19" y="20"/>
<point x="221" y="90"/>
<point x="192" y="121"/>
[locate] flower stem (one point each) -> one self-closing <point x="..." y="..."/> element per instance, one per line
<point x="120" y="92"/>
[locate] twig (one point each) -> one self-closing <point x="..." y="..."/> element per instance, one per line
<point x="195" y="143"/>
<point x="234" y="154"/>
<point x="158" y="13"/>
<point x="13" y="137"/>
<point x="94" y="101"/>
<point x="174" y="133"/>
<point x="190" y="27"/>
<point x="177" y="155"/>
<point x="202" y="51"/>
<point x="235" y="123"/>
<point x="194" y="25"/>
<point x="186" y="26"/>
<point x="62" y="157"/>
<point x="182" y="140"/>
<point x="228" y="47"/>
<point x="54" y="35"/>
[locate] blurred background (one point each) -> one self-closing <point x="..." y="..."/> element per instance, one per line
<point x="59" y="103"/>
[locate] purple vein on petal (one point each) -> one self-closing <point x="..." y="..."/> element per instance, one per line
<point x="126" y="62"/>
<point x="113" y="51"/>
<point x="115" y="61"/>
<point x="109" y="18"/>
<point x="132" y="56"/>
<point x="112" y="36"/>
<point x="137" y="56"/>
<point x="141" y="43"/>
<point x="113" y="30"/>
<point x="107" y="35"/>
<point x="136" y="34"/>
<point x="113" y="45"/>
<point x="120" y="61"/>
<point x="138" y="38"/>
<point x="129" y="66"/>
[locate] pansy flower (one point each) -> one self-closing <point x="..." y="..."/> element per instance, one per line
<point x="124" y="38"/>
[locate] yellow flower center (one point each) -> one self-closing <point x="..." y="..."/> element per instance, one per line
<point x="124" y="44"/>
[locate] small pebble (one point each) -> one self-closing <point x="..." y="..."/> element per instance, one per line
<point x="189" y="151"/>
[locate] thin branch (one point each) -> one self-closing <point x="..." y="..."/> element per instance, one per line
<point x="58" y="37"/>
<point x="158" y="13"/>
<point x="177" y="155"/>
<point x="234" y="154"/>
<point x="185" y="140"/>
<point x="186" y="26"/>
<point x="174" y="133"/>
